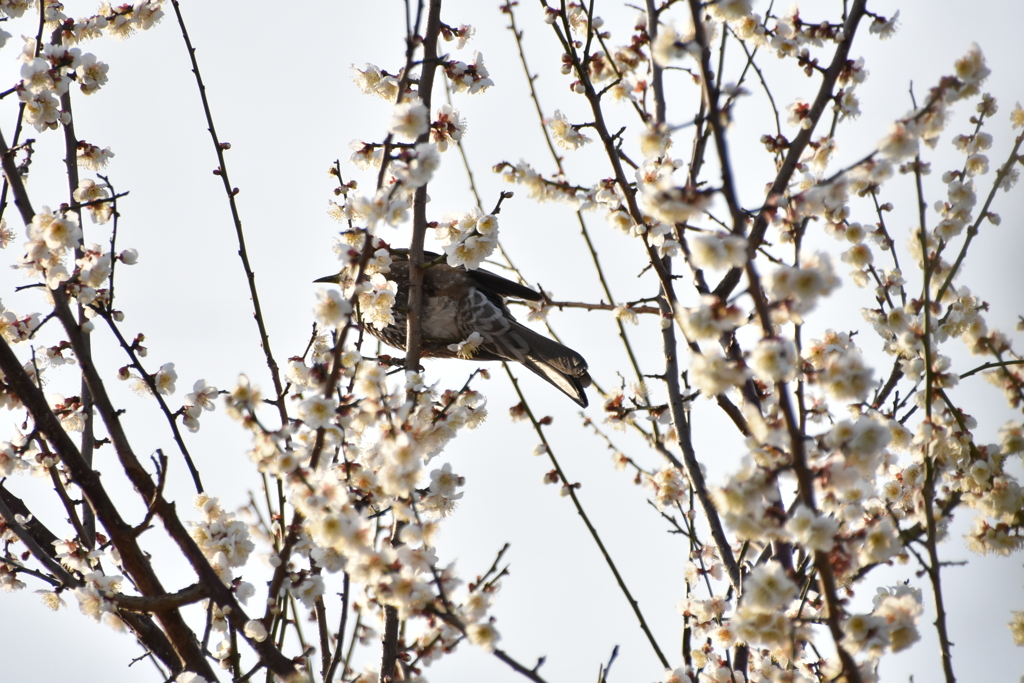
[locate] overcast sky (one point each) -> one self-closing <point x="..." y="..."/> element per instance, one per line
<point x="279" y="81"/>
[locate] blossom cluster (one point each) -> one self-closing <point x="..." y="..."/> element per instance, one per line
<point x="468" y="238"/>
<point x="838" y="470"/>
<point x="383" y="469"/>
<point x="867" y="472"/>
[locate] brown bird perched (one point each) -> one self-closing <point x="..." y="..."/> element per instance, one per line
<point x="458" y="302"/>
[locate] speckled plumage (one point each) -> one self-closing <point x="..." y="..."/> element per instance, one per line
<point x="458" y="302"/>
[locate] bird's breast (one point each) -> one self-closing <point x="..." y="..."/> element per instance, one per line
<point x="440" y="318"/>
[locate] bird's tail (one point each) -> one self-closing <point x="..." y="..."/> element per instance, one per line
<point x="557" y="364"/>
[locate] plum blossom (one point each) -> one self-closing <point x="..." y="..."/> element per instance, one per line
<point x="802" y="287"/>
<point x="448" y="128"/>
<point x="255" y="630"/>
<point x="670" y="45"/>
<point x="880" y="543"/>
<point x="165" y="378"/>
<point x="42" y="110"/>
<point x="713" y="374"/>
<point x="565" y="134"/>
<point x="768" y="588"/>
<point x="92" y="157"/>
<point x="467" y="348"/>
<point x="841" y="368"/>
<point x="900" y="143"/>
<point x="332" y="309"/>
<point x="773" y="360"/>
<point x="317" y="412"/>
<point x="91" y="74"/>
<point x="468" y="238"/>
<point x="443" y="493"/>
<point x="718" y="251"/>
<point x="201" y="399"/>
<point x="56" y="231"/>
<point x="1017" y="628"/>
<point x="813" y="531"/>
<point x="471" y="78"/>
<point x="376" y="298"/>
<point x="483" y="635"/>
<point x="972" y="70"/>
<point x="220" y="536"/>
<point x="901" y="610"/>
<point x="669" y="487"/>
<point x="89" y="191"/>
<point x="672" y="204"/>
<point x="409" y="120"/>
<point x="419" y="168"/>
<point x="372" y="81"/>
<point x="884" y="28"/>
<point x="709" y="320"/>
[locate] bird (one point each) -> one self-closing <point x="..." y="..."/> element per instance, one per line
<point x="458" y="302"/>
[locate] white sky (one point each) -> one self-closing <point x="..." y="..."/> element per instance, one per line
<point x="282" y="94"/>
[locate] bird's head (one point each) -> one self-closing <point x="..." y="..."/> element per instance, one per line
<point x="345" y="277"/>
<point x="337" y="278"/>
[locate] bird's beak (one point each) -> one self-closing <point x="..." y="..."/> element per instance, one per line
<point x="336" y="279"/>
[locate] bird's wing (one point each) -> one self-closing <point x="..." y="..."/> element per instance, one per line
<point x="508" y="340"/>
<point x="483" y="278"/>
<point x="503" y="286"/>
<point x="560" y="357"/>
<point x="569" y="385"/>
<point x="556" y="363"/>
